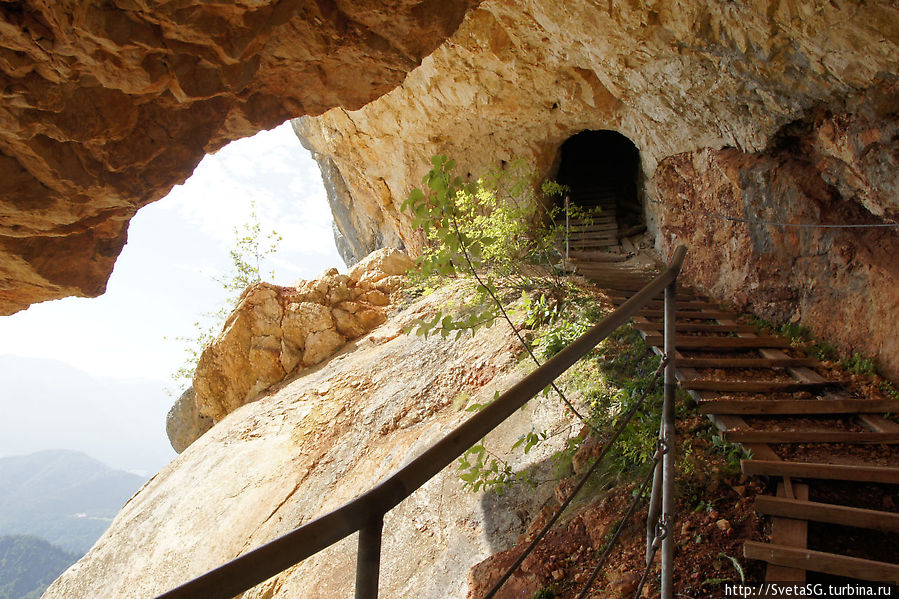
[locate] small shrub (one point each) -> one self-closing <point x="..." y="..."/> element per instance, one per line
<point x="859" y="364"/>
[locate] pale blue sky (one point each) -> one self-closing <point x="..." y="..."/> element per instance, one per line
<point x="162" y="281"/>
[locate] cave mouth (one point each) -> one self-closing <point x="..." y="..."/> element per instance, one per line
<point x="602" y="170"/>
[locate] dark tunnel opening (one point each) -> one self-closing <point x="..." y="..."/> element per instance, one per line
<point x="602" y="169"/>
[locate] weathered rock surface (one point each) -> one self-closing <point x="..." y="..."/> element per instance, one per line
<point x="106" y="106"/>
<point x="520" y="77"/>
<point x="843" y="283"/>
<point x="184" y="424"/>
<point x="316" y="443"/>
<point x="275" y="330"/>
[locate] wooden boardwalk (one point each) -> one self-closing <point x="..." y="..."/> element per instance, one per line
<point x="770" y="398"/>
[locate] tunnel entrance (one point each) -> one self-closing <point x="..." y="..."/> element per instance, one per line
<point x="602" y="168"/>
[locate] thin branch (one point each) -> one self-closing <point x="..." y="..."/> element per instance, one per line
<point x="502" y="310"/>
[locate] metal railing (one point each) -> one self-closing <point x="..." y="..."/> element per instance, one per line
<point x="366" y="513"/>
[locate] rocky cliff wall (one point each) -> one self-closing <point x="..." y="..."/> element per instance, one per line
<point x="520" y="77"/>
<point x="106" y="106"/>
<point x="831" y="169"/>
<point x="318" y="441"/>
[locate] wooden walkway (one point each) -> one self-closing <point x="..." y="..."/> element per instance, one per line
<point x="767" y="396"/>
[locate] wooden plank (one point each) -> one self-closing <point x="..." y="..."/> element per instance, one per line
<point x="753" y="386"/>
<point x="598" y="243"/>
<point x="598" y="256"/>
<point x="815" y="436"/>
<point x="819" y="561"/>
<point x="725" y="422"/>
<point x="798" y="406"/>
<point x="745" y="362"/>
<point x="605" y="217"/>
<point x="594" y="228"/>
<point x="790" y="533"/>
<point x="588" y="235"/>
<point x="868" y="474"/>
<point x="699" y="327"/>
<point x="826" y="512"/>
<point x="710" y="342"/>
<point x="786" y="532"/>
<point x="878" y="423"/>
<point x="681" y="314"/>
<point x="592" y="234"/>
<point x="682" y="305"/>
<point x="581" y="241"/>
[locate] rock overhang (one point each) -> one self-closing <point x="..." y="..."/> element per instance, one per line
<point x="107" y="106"/>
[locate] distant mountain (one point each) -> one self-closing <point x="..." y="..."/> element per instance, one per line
<point x="47" y="403"/>
<point x="64" y="497"/>
<point x="28" y="565"/>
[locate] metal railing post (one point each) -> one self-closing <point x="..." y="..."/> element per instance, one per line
<point x="368" y="559"/>
<point x="668" y="459"/>
<point x="567" y="234"/>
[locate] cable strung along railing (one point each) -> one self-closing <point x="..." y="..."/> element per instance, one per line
<point x="366" y="513"/>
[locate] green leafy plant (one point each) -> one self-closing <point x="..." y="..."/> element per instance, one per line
<point x="490" y="229"/>
<point x="860" y="364"/>
<point x="493" y="231"/>
<point x="251" y="247"/>
<point x="732" y="452"/>
<point x="545" y="593"/>
<point x="483" y="470"/>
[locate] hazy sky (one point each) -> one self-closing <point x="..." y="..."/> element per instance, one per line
<point x="162" y="281"/>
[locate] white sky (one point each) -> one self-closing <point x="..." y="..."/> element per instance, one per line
<point x="162" y="280"/>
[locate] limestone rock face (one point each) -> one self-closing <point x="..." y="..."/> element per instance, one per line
<point x="275" y="330"/>
<point x="184" y="424"/>
<point x="318" y="442"/>
<point x="683" y="81"/>
<point x="106" y="106"/>
<point x="519" y="77"/>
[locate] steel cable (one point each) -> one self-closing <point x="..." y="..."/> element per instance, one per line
<point x="606" y="447"/>
<point x="772" y="223"/>
<point x="661" y="533"/>
<point x="620" y="529"/>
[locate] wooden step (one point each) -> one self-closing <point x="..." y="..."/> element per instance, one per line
<point x="686" y="306"/>
<point x="684" y="314"/>
<point x="815" y="436"/>
<point x="865" y="474"/>
<point x="628" y="290"/>
<point x="798" y="406"/>
<point x="754" y="386"/>
<point x="695" y="327"/>
<point x="826" y="512"/>
<point x="589" y="243"/>
<point x="586" y="237"/>
<point x="576" y="223"/>
<point x="619" y="297"/>
<point x="702" y="343"/>
<point x="608" y="225"/>
<point x="598" y="256"/>
<point x="819" y="561"/>
<point x="743" y="362"/>
<point x="580" y="233"/>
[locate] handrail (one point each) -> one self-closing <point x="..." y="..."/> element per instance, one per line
<point x="366" y="512"/>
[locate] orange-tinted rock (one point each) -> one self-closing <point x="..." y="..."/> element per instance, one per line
<point x="842" y="283"/>
<point x="276" y="331"/>
<point x="106" y="106"/>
